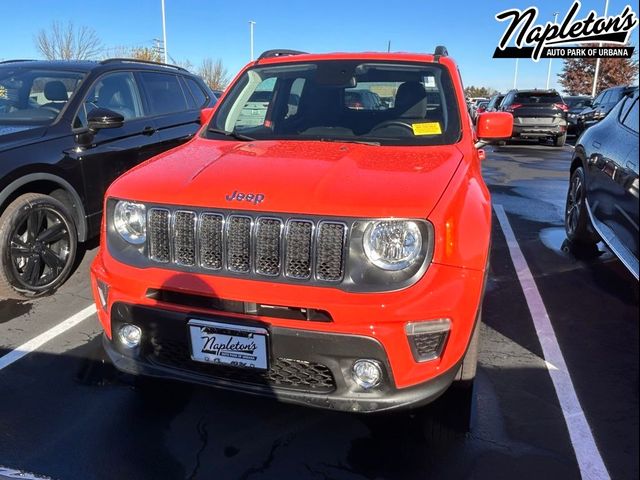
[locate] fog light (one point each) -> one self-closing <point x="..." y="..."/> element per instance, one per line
<point x="130" y="335"/>
<point x="367" y="373"/>
<point x="103" y="294"/>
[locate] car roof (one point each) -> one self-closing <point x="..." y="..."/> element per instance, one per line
<point x="536" y="91"/>
<point x="384" y="56"/>
<point x="75" y="65"/>
<point x="88" y="65"/>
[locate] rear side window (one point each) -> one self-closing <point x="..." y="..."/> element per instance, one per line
<point x="164" y="92"/>
<point x="196" y="91"/>
<point x="615" y="96"/>
<point x="606" y="96"/>
<point x="537" y="97"/>
<point x="631" y="120"/>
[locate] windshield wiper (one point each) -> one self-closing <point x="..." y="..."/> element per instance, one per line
<point x="233" y="134"/>
<point x="343" y="140"/>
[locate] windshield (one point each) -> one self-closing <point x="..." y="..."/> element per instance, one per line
<point x="34" y="97"/>
<point x="577" y="102"/>
<point x="341" y="101"/>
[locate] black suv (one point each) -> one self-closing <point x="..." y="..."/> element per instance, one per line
<point x="600" y="107"/>
<point x="540" y="114"/>
<point x="67" y="130"/>
<point x="602" y="201"/>
<point x="577" y="104"/>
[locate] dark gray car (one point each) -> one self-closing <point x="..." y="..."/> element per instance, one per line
<point x="538" y="114"/>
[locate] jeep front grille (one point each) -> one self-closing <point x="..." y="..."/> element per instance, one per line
<point x="248" y="244"/>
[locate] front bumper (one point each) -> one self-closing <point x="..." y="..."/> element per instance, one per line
<point x="308" y="368"/>
<point x="362" y="326"/>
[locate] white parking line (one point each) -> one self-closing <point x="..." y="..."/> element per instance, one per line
<point x="37" y="342"/>
<point x="10" y="473"/>
<point x="589" y="459"/>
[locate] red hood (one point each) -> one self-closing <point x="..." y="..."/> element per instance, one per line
<point x="322" y="178"/>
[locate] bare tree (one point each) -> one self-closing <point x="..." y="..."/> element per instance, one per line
<point x="66" y="42"/>
<point x="214" y="73"/>
<point x="577" y="74"/>
<point x="146" y="53"/>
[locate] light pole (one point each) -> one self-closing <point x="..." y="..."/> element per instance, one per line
<point x="555" y="17"/>
<point x="251" y="24"/>
<point x="164" y="36"/>
<point x="595" y="75"/>
<point x="515" y="75"/>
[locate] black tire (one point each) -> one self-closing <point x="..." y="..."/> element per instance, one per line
<point x="577" y="223"/>
<point x="560" y="140"/>
<point x="38" y="245"/>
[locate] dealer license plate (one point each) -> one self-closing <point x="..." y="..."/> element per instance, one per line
<point x="228" y="344"/>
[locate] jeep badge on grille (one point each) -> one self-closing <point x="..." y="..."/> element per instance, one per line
<point x="254" y="198"/>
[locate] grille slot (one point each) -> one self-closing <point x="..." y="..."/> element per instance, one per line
<point x="268" y="232"/>
<point x="211" y="246"/>
<point x="296" y="249"/>
<point x="299" y="249"/>
<point x="184" y="238"/>
<point x="159" y="245"/>
<point x="239" y="244"/>
<point x="329" y="264"/>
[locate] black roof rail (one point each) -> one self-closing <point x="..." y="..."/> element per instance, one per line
<point x="18" y="60"/>
<point x="136" y="60"/>
<point x="441" y="51"/>
<point x="279" y="53"/>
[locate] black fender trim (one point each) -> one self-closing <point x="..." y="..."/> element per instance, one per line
<point x="36" y="177"/>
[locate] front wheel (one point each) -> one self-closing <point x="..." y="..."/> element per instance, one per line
<point x="38" y="244"/>
<point x="576" y="218"/>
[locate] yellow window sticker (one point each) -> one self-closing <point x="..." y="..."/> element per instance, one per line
<point x="426" y="128"/>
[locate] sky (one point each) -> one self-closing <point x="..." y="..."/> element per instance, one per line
<point x="197" y="29"/>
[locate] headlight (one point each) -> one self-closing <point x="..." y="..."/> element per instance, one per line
<point x="130" y="221"/>
<point x="392" y="244"/>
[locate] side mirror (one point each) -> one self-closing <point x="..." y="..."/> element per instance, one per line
<point x="205" y="115"/>
<point x="588" y="103"/>
<point x="100" y="118"/>
<point x="494" y="126"/>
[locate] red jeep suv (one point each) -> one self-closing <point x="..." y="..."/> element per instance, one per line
<point x="319" y="254"/>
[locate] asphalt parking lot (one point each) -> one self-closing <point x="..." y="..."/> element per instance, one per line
<point x="557" y="354"/>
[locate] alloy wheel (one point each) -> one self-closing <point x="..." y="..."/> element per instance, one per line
<point x="39" y="247"/>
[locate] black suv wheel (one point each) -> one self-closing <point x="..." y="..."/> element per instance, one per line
<point x="576" y="218"/>
<point x="38" y="243"/>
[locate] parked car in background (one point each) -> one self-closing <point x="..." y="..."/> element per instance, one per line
<point x="494" y="102"/>
<point x="362" y="99"/>
<point x="577" y="104"/>
<point x="602" y="201"/>
<point x="309" y="257"/>
<point x="600" y="107"/>
<point x="254" y="111"/>
<point x="480" y="108"/>
<point x="537" y="114"/>
<point x="67" y="130"/>
<point x="217" y="93"/>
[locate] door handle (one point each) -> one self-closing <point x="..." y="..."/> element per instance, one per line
<point x="148" y="131"/>
<point x="596" y="144"/>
